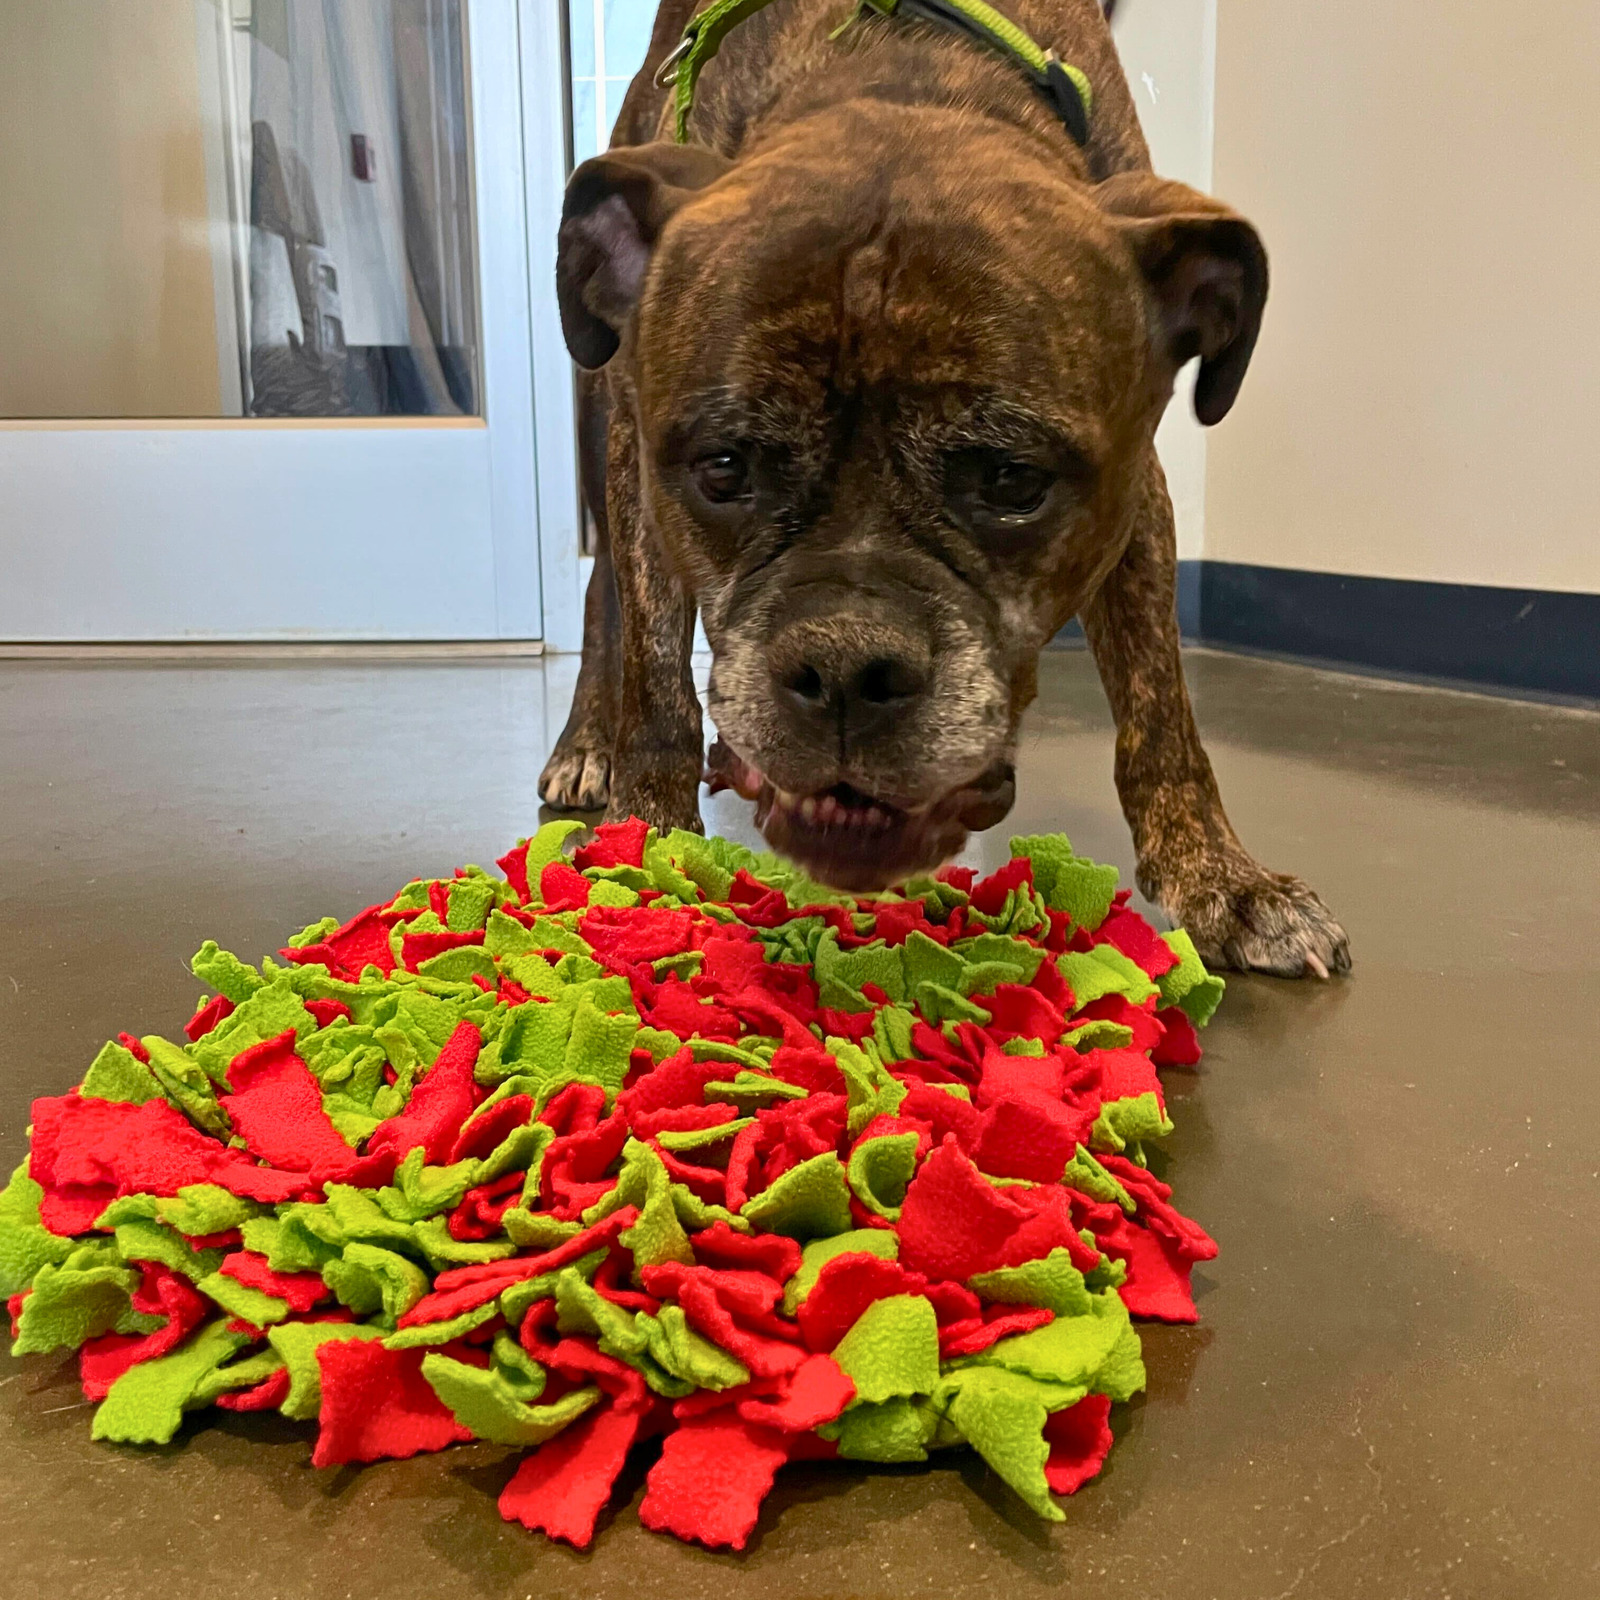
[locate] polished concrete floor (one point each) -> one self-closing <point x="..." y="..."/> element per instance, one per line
<point x="1393" y="1393"/>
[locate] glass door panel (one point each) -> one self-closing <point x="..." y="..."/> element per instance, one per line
<point x="353" y="130"/>
<point x="609" y="40"/>
<point x="266" y="300"/>
<point x="260" y="210"/>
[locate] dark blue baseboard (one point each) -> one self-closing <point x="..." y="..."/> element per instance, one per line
<point x="1529" y="639"/>
<point x="1533" y="640"/>
<point x="1189" y="599"/>
<point x="1071" y="637"/>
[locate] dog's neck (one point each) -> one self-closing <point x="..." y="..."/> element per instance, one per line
<point x="784" y="65"/>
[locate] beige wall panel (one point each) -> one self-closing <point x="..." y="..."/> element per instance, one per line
<point x="1425" y="400"/>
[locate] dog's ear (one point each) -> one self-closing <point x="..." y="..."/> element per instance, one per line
<point x="1207" y="272"/>
<point x="615" y="208"/>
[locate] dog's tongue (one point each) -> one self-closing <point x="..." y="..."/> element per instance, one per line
<point x="725" y="769"/>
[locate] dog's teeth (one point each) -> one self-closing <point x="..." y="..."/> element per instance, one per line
<point x="827" y="809"/>
<point x="874" y="817"/>
<point x="785" y="799"/>
<point x="808" y="809"/>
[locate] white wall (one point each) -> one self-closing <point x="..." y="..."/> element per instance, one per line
<point x="1426" y="393"/>
<point x="1168" y="49"/>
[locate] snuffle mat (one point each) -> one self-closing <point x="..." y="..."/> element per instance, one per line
<point x="650" y="1138"/>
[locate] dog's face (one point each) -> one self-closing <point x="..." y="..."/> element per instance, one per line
<point x="892" y="418"/>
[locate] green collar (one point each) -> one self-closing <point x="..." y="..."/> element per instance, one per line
<point x="1065" y="87"/>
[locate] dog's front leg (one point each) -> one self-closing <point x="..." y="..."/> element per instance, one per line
<point x="657" y="754"/>
<point x="1190" y="861"/>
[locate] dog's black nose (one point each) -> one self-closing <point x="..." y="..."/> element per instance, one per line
<point x="852" y="673"/>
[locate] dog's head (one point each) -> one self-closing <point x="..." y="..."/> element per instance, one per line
<point x="895" y="378"/>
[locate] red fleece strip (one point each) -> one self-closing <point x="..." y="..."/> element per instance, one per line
<point x="439" y="1104"/>
<point x="207" y="1017"/>
<point x="817" y="1391"/>
<point x="771" y="1253"/>
<point x="276" y="1108"/>
<point x="268" y="1395"/>
<point x="1079" y="1440"/>
<point x="713" y="1474"/>
<point x="162" y="1293"/>
<point x="80" y="1145"/>
<point x="562" y="1487"/>
<point x="376" y="1405"/>
<point x="415" y="948"/>
<point x="464" y="1289"/>
<point x="1137" y="940"/>
<point x="953" y="1224"/>
<point x="563" y="888"/>
<point x="514" y="863"/>
<point x="733" y="1310"/>
<point x="347" y="952"/>
<point x="1179" y="1045"/>
<point x="615" y="844"/>
<point x="301" y="1289"/>
<point x="968" y="1339"/>
<point x="74" y="1210"/>
<point x="844" y="1289"/>
<point x="483" y="1133"/>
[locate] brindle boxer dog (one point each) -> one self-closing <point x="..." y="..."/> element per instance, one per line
<point x="874" y="364"/>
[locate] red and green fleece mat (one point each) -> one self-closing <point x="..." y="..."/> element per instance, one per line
<point x="649" y="1137"/>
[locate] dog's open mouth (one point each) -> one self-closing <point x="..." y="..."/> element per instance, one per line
<point x="860" y="842"/>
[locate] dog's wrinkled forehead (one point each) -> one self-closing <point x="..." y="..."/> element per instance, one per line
<point x="939" y="304"/>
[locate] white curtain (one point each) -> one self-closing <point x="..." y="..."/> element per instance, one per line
<point x="362" y="273"/>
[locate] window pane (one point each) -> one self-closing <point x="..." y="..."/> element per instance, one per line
<point x="609" y="39"/>
<point x="236" y="208"/>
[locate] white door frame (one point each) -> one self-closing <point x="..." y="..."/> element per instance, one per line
<point x="545" y="153"/>
<point x="365" y="529"/>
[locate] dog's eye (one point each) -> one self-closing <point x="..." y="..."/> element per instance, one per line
<point x="1015" y="488"/>
<point x="723" y="477"/>
<point x="990" y="488"/>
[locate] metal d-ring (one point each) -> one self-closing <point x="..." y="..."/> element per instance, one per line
<point x="667" y="72"/>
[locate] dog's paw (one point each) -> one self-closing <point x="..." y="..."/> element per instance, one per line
<point x="577" y="777"/>
<point x="1253" y="920"/>
<point x="666" y="794"/>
